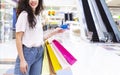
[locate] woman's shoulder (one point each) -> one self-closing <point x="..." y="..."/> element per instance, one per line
<point x="23" y="13"/>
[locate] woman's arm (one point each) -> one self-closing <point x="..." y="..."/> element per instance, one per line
<point x="19" y="45"/>
<point x="54" y="32"/>
<point x="23" y="63"/>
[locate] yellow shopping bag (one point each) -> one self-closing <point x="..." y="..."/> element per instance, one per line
<point x="45" y="65"/>
<point x="52" y="72"/>
<point x="54" y="61"/>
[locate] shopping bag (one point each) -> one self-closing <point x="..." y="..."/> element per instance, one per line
<point x="45" y="65"/>
<point x="55" y="63"/>
<point x="64" y="64"/>
<point x="69" y="57"/>
<point x="47" y="68"/>
<point x="52" y="72"/>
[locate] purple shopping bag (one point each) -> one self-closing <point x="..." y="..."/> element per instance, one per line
<point x="70" y="59"/>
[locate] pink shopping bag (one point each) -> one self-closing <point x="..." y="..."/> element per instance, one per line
<point x="60" y="57"/>
<point x="69" y="57"/>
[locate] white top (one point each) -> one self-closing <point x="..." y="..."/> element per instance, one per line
<point x="32" y="37"/>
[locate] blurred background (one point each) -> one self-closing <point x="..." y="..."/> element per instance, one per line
<point x="55" y="14"/>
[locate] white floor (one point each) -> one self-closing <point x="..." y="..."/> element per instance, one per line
<point x="8" y="50"/>
<point x="6" y="69"/>
<point x="8" y="54"/>
<point x="92" y="59"/>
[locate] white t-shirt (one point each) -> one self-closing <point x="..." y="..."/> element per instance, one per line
<point x="32" y="37"/>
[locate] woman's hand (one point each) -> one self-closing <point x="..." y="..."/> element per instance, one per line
<point x="59" y="30"/>
<point x="23" y="67"/>
<point x="55" y="31"/>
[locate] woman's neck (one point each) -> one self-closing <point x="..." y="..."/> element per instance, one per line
<point x="33" y="11"/>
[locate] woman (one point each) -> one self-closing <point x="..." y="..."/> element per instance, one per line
<point x="29" y="37"/>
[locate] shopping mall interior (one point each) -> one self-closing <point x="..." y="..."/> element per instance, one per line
<point x="92" y="37"/>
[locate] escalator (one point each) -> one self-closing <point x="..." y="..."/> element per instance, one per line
<point x="89" y="21"/>
<point x="99" y="21"/>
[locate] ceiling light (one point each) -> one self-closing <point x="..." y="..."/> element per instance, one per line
<point x="107" y="1"/>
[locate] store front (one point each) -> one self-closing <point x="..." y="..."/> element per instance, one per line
<point x="7" y="21"/>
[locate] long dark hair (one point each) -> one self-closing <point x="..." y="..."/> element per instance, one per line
<point x="23" y="5"/>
